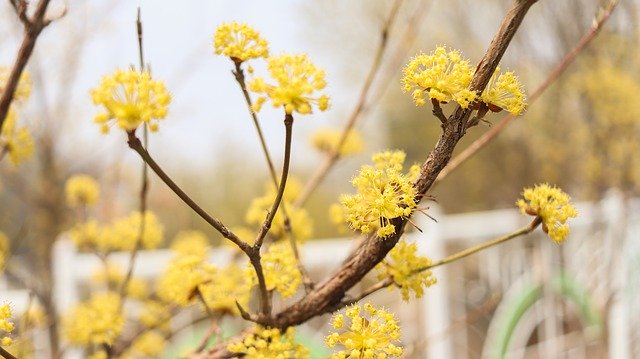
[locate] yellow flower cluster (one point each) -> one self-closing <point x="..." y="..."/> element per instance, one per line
<point x="191" y="243"/>
<point x="230" y="285"/>
<point x="297" y="79"/>
<point x="6" y="325"/>
<point x="112" y="276"/>
<point x="371" y="335"/>
<point x="96" y="321"/>
<point x="281" y="269"/>
<point x="23" y="91"/>
<point x="130" y="98"/>
<point x="504" y="93"/>
<point x="82" y="190"/>
<point x="148" y="345"/>
<point x="299" y="219"/>
<point x="182" y="277"/>
<point x="552" y="205"/>
<point x="188" y="271"/>
<point x="269" y="343"/>
<point x="240" y="42"/>
<point x="327" y="141"/>
<point x="124" y="232"/>
<point x="4" y="250"/>
<point x="384" y="193"/>
<point x="121" y="235"/>
<point x="443" y="75"/>
<point x="154" y="314"/>
<point x="17" y="141"/>
<point x="338" y="217"/>
<point x="401" y="265"/>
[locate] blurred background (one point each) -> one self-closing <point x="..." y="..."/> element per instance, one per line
<point x="582" y="134"/>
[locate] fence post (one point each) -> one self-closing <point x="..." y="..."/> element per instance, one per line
<point x="435" y="307"/>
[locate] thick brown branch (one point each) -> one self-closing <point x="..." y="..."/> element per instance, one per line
<point x="487" y="137"/>
<point x="33" y="27"/>
<point x="373" y="250"/>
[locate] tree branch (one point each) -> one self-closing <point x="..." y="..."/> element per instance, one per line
<point x="33" y="27"/>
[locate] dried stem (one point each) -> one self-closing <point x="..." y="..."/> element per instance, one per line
<point x="32" y="29"/>
<point x="360" y="107"/>
<point x="487" y="137"/>
<point x="136" y="145"/>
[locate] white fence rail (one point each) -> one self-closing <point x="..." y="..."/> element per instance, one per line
<point x="605" y="240"/>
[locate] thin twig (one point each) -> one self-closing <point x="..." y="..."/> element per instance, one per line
<point x="254" y="256"/>
<point x="33" y="28"/>
<point x="214" y="329"/>
<point x="437" y="111"/>
<point x="482" y="246"/>
<point x="238" y="74"/>
<point x="136" y="145"/>
<point x="452" y="258"/>
<point x="144" y="185"/>
<point x="209" y="311"/>
<point x="288" y="123"/>
<point x="333" y="156"/>
<point x="568" y="59"/>
<point x="5" y="354"/>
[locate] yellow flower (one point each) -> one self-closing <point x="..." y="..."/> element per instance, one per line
<point x="112" y="276"/>
<point x="401" y="264"/>
<point x="443" y="75"/>
<point x="281" y="269"/>
<point x="17" y="141"/>
<point x="228" y="286"/>
<point x="150" y="344"/>
<point x="155" y="314"/>
<point x="4" y="250"/>
<point x="24" y="84"/>
<point x="191" y="243"/>
<point x="182" y="277"/>
<point x="338" y="216"/>
<point x="130" y="98"/>
<point x="268" y="343"/>
<point x="124" y="233"/>
<point x="552" y="205"/>
<point x="240" y="42"/>
<point x="6" y="325"/>
<point x="82" y="190"/>
<point x="371" y="335"/>
<point x="297" y="79"/>
<point x="87" y="234"/>
<point x="96" y="321"/>
<point x="299" y="219"/>
<point x="327" y="141"/>
<point x="505" y="93"/>
<point x="384" y="193"/>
